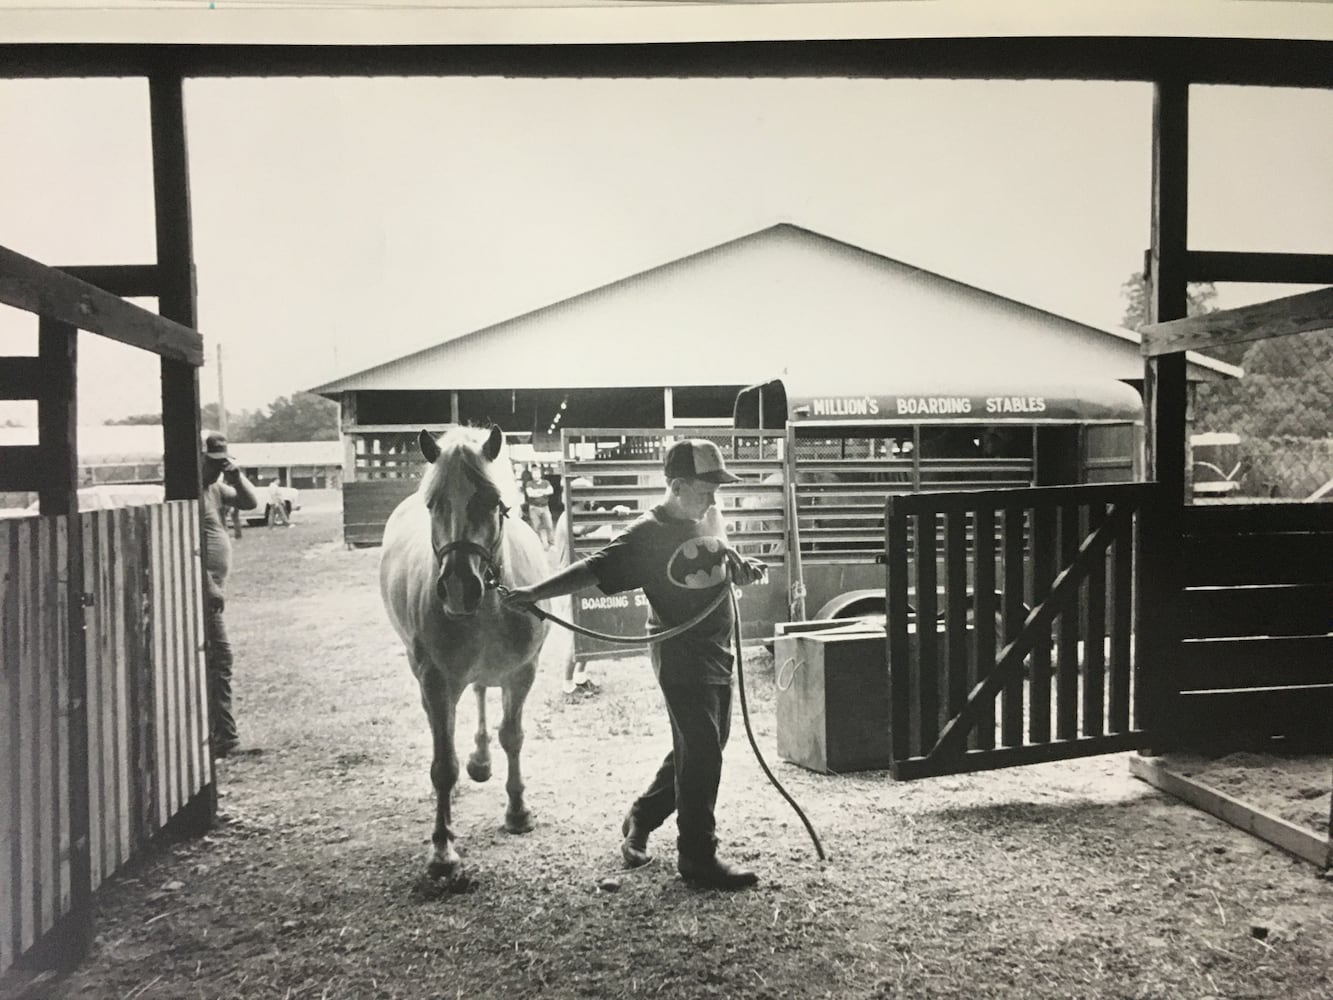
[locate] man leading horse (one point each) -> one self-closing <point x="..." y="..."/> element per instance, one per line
<point x="677" y="552"/>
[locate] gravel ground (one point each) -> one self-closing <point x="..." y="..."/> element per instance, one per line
<point x="1053" y="881"/>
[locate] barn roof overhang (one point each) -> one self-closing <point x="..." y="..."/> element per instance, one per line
<point x="1259" y="42"/>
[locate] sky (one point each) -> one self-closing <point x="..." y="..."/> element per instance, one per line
<point x="340" y="223"/>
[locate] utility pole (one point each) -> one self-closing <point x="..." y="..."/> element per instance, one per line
<point x="222" y="401"/>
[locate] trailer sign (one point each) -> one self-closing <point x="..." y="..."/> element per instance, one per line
<point x="1016" y="404"/>
<point x="933" y="405"/>
<point x="855" y="406"/>
<point x="844" y="407"/>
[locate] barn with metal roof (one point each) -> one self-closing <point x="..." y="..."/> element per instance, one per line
<point x="672" y="345"/>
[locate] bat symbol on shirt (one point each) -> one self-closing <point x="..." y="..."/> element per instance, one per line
<point x="698" y="563"/>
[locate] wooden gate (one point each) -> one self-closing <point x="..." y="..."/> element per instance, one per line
<point x="991" y="666"/>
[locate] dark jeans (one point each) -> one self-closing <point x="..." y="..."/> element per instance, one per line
<point x="687" y="781"/>
<point x="217" y="657"/>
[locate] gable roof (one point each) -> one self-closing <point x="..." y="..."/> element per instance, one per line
<point x="784" y="298"/>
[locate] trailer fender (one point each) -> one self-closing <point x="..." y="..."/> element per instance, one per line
<point x="853" y="604"/>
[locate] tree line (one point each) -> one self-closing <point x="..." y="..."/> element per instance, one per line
<point x="1287" y="388"/>
<point x="302" y="416"/>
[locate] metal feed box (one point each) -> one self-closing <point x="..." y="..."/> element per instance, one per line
<point x="833" y="699"/>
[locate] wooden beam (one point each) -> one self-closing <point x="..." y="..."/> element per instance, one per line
<point x="1164" y="379"/>
<point x="57" y="416"/>
<point x="129" y="281"/>
<point x="33" y="287"/>
<point x="1233" y="61"/>
<point x="175" y="268"/>
<point x="1309" y="312"/>
<point x="1281" y="268"/>
<point x="1304" y="844"/>
<point x="20" y="377"/>
<point x="21" y="468"/>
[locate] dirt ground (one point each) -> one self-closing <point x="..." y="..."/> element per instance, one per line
<point x="1053" y="881"/>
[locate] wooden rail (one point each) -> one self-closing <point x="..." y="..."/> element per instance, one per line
<point x="1255" y="659"/>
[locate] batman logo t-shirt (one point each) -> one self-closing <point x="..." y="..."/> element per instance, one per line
<point x="680" y="565"/>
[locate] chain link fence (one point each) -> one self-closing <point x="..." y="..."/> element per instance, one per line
<point x="1269" y="433"/>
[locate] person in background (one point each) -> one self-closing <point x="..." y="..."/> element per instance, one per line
<point x="567" y="531"/>
<point x="224" y="486"/>
<point x="277" y="505"/>
<point x="678" y="553"/>
<point x="537" y="492"/>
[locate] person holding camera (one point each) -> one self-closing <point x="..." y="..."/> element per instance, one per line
<point x="224" y="486"/>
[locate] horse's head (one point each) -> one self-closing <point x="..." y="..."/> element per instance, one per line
<point x="468" y="494"/>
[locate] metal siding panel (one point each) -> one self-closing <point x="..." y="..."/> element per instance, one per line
<point x="26" y="775"/>
<point x="45" y="730"/>
<point x="66" y="608"/>
<point x="196" y="610"/>
<point x="9" y="859"/>
<point x="105" y="816"/>
<point x="123" y="673"/>
<point x="160" y="689"/>
<point x="93" y="665"/>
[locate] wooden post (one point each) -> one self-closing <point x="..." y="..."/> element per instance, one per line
<point x="1159" y="542"/>
<point x="1164" y="378"/>
<point x="57" y="421"/>
<point x="347" y="425"/>
<point x="181" y="444"/>
<point x="176" y="290"/>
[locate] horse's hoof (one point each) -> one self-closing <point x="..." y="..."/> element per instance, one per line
<point x="443" y="870"/>
<point x="520" y="822"/>
<point x="479" y="770"/>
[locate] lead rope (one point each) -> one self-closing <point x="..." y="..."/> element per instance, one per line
<point x="749" y="730"/>
<point x="652" y="638"/>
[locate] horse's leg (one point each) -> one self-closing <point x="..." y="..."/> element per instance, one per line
<point x="441" y="701"/>
<point x="517" y="817"/>
<point x="479" y="762"/>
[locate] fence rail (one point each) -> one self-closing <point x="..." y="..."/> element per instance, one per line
<point x="1256" y="654"/>
<point x="146" y="708"/>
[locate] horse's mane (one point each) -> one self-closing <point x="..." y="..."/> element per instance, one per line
<point x="461" y="458"/>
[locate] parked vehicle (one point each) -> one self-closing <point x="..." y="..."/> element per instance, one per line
<point x="819" y="462"/>
<point x="263" y="514"/>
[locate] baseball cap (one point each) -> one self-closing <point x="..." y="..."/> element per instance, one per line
<point x="215" y="444"/>
<point x="697" y="458"/>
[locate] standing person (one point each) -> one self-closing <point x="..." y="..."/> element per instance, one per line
<point x="538" y="491"/>
<point x="678" y="553"/>
<point x="277" y="506"/>
<point x="224" y="486"/>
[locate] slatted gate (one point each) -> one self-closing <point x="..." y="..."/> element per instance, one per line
<point x="991" y="665"/>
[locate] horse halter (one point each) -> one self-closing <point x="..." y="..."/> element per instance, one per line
<point x="490" y="564"/>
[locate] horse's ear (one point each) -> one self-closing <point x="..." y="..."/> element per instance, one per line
<point x="492" y="447"/>
<point x="429" y="448"/>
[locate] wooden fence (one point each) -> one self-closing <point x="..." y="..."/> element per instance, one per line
<point x="146" y="708"/>
<point x="1255" y="659"/>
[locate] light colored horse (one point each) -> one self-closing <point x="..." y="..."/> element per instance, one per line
<point x="446" y="549"/>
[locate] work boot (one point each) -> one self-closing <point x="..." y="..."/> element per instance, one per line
<point x="714" y="873"/>
<point x="634" y="848"/>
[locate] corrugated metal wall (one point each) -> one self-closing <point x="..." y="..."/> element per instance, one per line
<point x="147" y="699"/>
